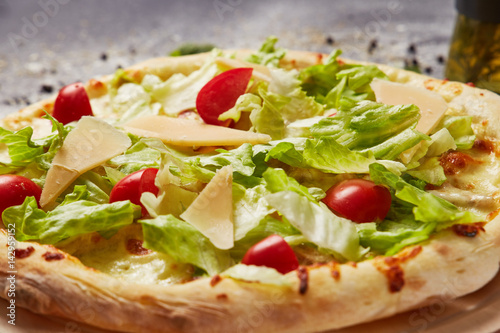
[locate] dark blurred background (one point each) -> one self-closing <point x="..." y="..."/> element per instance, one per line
<point x="45" y="44"/>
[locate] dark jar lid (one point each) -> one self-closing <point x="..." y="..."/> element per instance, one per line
<point x="481" y="10"/>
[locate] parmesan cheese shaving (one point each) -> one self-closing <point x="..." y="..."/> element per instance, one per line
<point x="58" y="179"/>
<point x="187" y="132"/>
<point x="432" y="106"/>
<point x="212" y="211"/>
<point x="90" y="144"/>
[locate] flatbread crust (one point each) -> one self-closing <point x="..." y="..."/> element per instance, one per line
<point x="320" y="297"/>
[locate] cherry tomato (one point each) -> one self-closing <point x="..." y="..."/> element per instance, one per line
<point x="14" y="189"/>
<point x="220" y="94"/>
<point x="72" y="103"/>
<point x="273" y="252"/>
<point x="132" y="186"/>
<point x="359" y="200"/>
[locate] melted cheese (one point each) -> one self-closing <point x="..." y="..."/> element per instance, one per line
<point x="90" y="144"/>
<point x="187" y="132"/>
<point x="151" y="268"/>
<point x="475" y="184"/>
<point x="212" y="211"/>
<point x="461" y="198"/>
<point x="111" y="256"/>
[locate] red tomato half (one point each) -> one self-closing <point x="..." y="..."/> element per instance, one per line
<point x="132" y="186"/>
<point x="72" y="103"/>
<point x="220" y="94"/>
<point x="359" y="200"/>
<point x="273" y="252"/>
<point x="14" y="189"/>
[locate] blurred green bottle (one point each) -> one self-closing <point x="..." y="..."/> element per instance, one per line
<point x="475" y="47"/>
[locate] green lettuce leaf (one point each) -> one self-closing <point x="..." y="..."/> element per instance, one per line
<point x="391" y="148"/>
<point x="424" y="164"/>
<point x="461" y="130"/>
<point x="366" y="124"/>
<point x="300" y="128"/>
<point x="132" y="101"/>
<point x="284" y="102"/>
<point x="240" y="159"/>
<point x="389" y="237"/>
<point x="97" y="187"/>
<point x="127" y="96"/>
<point x="299" y="106"/>
<point x="74" y="216"/>
<point x="188" y="169"/>
<point x="146" y="153"/>
<point x="425" y="206"/>
<point x="249" y="208"/>
<point x="182" y="172"/>
<point x="319" y="80"/>
<point x="52" y="143"/>
<point x="327" y="155"/>
<point x="179" y="92"/>
<point x="173" y="200"/>
<point x="245" y="103"/>
<point x="24" y="152"/>
<point x="289" y="153"/>
<point x="434" y="146"/>
<point x="184" y="243"/>
<point x="359" y="78"/>
<point x="429" y="171"/>
<point x="334" y="96"/>
<point x="191" y="48"/>
<point x="268" y="55"/>
<point x="277" y="181"/>
<point x="440" y="143"/>
<point x="113" y="175"/>
<point x="119" y="78"/>
<point x="324" y="154"/>
<point x="318" y="224"/>
<point x="247" y="166"/>
<point x="268" y="119"/>
<point x="332" y="81"/>
<point x="203" y="167"/>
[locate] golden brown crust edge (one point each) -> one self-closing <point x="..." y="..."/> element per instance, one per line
<point x="336" y="296"/>
<point x="448" y="266"/>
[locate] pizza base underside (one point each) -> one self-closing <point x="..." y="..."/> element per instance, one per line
<point x="321" y="297"/>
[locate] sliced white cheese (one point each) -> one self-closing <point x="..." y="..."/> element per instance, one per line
<point x="58" y="179"/>
<point x="260" y="72"/>
<point x="432" y="106"/>
<point x="187" y="132"/>
<point x="212" y="211"/>
<point x="90" y="144"/>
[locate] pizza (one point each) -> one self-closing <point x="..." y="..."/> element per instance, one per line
<point x="249" y="191"/>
